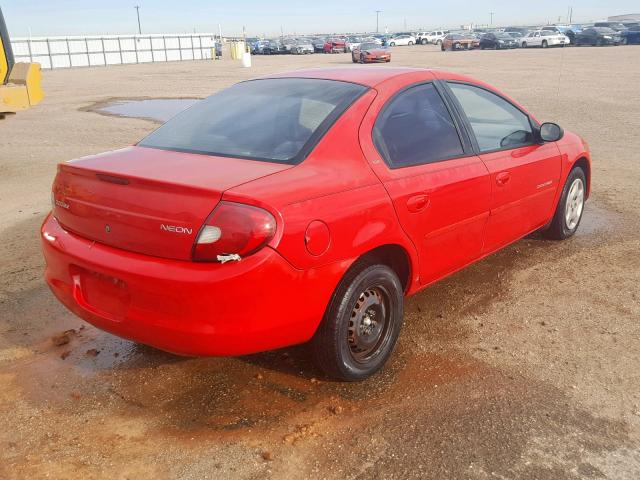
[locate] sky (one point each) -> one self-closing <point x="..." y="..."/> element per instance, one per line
<point x="270" y="17"/>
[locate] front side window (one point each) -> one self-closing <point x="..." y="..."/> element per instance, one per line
<point x="496" y="123"/>
<point x="277" y="120"/>
<point x="415" y="127"/>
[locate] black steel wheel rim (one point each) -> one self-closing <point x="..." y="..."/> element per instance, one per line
<point x="370" y="323"/>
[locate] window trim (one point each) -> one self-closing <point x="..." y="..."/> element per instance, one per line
<point x="535" y="126"/>
<point x="465" y="141"/>
<point x="325" y="126"/>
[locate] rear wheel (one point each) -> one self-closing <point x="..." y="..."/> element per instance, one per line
<point x="424" y="41"/>
<point x="439" y="42"/>
<point x="410" y="42"/>
<point x="524" y="44"/>
<point x="362" y="323"/>
<point x="568" y="214"/>
<point x="544" y="44"/>
<point x="392" y="44"/>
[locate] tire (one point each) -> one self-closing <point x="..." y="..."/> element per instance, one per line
<point x="439" y="42"/>
<point x="524" y="44"/>
<point x="362" y="58"/>
<point x="456" y="46"/>
<point x="424" y="41"/>
<point x="392" y="44"/>
<point x="544" y="44"/>
<point x="410" y="43"/>
<point x="340" y="347"/>
<point x="568" y="214"/>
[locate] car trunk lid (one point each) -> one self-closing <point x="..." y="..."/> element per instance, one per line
<point x="147" y="200"/>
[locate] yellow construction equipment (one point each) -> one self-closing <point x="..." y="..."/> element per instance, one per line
<point x="20" y="83"/>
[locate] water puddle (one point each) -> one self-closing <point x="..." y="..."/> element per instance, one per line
<point x="155" y="109"/>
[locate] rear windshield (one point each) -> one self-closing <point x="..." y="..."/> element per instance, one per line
<point x="275" y="120"/>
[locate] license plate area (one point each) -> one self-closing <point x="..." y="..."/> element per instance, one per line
<point x="101" y="294"/>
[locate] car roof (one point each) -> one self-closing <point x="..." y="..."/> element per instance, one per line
<point x="369" y="77"/>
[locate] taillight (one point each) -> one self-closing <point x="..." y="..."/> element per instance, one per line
<point x="233" y="231"/>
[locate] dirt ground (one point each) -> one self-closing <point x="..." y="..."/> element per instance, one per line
<point x="526" y="365"/>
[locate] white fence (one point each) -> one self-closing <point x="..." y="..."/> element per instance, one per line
<point x="65" y="52"/>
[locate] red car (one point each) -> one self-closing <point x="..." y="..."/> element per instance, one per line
<point x="370" y="53"/>
<point x="304" y="207"/>
<point x="335" y="45"/>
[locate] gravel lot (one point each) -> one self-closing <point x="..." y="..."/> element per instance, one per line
<point x="526" y="365"/>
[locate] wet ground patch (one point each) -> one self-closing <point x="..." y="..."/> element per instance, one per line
<point x="154" y="109"/>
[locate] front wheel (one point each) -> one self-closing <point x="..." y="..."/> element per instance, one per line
<point x="524" y="44"/>
<point x="544" y="44"/>
<point x="392" y="44"/>
<point x="424" y="41"/>
<point x="410" y="43"/>
<point x="568" y="214"/>
<point x="361" y="325"/>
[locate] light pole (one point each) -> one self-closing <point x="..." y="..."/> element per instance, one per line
<point x="137" y="7"/>
<point x="378" y="12"/>
<point x="491" y="13"/>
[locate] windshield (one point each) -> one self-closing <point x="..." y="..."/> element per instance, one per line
<point x="605" y="30"/>
<point x="504" y="36"/>
<point x="278" y="120"/>
<point x="370" y="46"/>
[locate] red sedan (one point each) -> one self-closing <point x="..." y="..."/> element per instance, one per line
<point x="370" y="53"/>
<point x="304" y="207"/>
<point x="335" y="45"/>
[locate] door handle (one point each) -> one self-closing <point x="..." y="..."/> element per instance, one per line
<point x="418" y="203"/>
<point x="503" y="178"/>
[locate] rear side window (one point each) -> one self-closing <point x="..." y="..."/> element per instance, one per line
<point x="416" y="128"/>
<point x="277" y="120"/>
<point x="496" y="123"/>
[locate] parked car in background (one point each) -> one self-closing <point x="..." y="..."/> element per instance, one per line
<point x="459" y="41"/>
<point x="421" y="38"/>
<point x="302" y="46"/>
<point x="370" y="52"/>
<point x="544" y="39"/>
<point x="402" y="40"/>
<point x="631" y="36"/>
<point x="335" y="45"/>
<point x="497" y="41"/>
<point x="272" y="47"/>
<point x="598" y="36"/>
<point x="617" y="26"/>
<point x="304" y="208"/>
<point x="352" y="42"/>
<point x="435" y="37"/>
<point x="318" y="44"/>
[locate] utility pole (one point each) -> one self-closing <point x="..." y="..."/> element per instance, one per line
<point x="491" y="22"/>
<point x="378" y="12"/>
<point x="570" y="15"/>
<point x="405" y="23"/>
<point x="137" y="7"/>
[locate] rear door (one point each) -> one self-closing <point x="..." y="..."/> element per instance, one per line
<point x="524" y="174"/>
<point x="440" y="189"/>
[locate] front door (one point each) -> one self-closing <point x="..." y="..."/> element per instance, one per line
<point x="524" y="173"/>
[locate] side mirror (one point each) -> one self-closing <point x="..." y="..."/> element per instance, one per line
<point x="550" y="132"/>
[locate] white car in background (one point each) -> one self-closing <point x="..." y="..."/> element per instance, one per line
<point x="402" y="40"/>
<point x="544" y="39"/>
<point x="436" y="37"/>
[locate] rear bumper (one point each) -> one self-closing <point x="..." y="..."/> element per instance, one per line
<point x="257" y="304"/>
